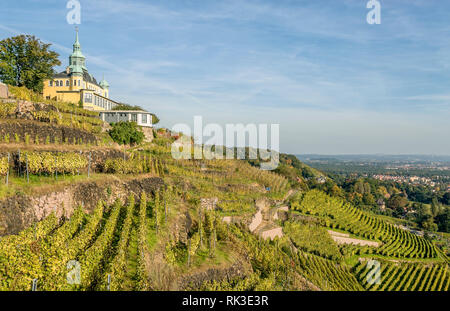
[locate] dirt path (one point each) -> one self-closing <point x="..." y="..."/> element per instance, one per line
<point x="346" y="240"/>
<point x="335" y="233"/>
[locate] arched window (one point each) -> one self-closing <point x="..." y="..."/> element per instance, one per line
<point x="56" y="83"/>
<point x="67" y="83"/>
<point x="50" y="83"/>
<point x="61" y="83"/>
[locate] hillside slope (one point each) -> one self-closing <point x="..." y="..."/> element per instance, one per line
<point x="140" y="220"/>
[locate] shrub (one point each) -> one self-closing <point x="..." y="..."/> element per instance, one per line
<point x="7" y="109"/>
<point x="48" y="163"/>
<point x="127" y="133"/>
<point x="4" y="166"/>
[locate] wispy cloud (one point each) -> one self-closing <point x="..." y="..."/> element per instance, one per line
<point x="301" y="63"/>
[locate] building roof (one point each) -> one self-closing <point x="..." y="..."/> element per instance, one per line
<point x="89" y="78"/>
<point x="86" y="77"/>
<point x="62" y="74"/>
<point x="127" y="111"/>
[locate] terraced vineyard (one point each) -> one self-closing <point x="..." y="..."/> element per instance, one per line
<point x="328" y="274"/>
<point x="143" y="246"/>
<point x="337" y="214"/>
<point x="97" y="242"/>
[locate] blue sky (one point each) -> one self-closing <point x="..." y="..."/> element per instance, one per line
<point x="335" y="84"/>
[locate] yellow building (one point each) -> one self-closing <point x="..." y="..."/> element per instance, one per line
<point x="76" y="84"/>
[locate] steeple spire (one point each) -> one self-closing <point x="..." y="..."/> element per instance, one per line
<point x="76" y="45"/>
<point x="76" y="40"/>
<point x="77" y="59"/>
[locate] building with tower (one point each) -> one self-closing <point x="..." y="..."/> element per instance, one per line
<point x="76" y="84"/>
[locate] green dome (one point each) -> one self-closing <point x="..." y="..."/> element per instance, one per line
<point x="77" y="59"/>
<point x="78" y="54"/>
<point x="77" y="69"/>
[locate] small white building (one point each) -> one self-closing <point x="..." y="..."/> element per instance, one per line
<point x="141" y="117"/>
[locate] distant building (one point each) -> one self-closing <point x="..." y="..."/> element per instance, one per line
<point x="142" y="118"/>
<point x="321" y="179"/>
<point x="76" y="84"/>
<point x="381" y="204"/>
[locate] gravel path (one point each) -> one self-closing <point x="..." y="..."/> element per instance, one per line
<point x="346" y="240"/>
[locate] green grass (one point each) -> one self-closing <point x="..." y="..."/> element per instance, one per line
<point x="202" y="257"/>
<point x="20" y="185"/>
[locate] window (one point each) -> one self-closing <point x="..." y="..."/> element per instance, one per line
<point x="79" y="82"/>
<point x="61" y="83"/>
<point x="50" y="83"/>
<point x="88" y="97"/>
<point x="67" y="83"/>
<point x="144" y="118"/>
<point x="134" y="117"/>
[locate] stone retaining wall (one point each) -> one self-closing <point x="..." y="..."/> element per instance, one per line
<point x="42" y="131"/>
<point x="20" y="211"/>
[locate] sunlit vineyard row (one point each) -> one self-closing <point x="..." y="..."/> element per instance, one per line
<point x="404" y="277"/>
<point x="396" y="242"/>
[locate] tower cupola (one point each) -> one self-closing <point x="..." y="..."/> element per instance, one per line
<point x="77" y="60"/>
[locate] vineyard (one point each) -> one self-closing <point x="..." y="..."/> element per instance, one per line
<point x="406" y="277"/>
<point x="191" y="230"/>
<point x="96" y="244"/>
<point x="337" y="214"/>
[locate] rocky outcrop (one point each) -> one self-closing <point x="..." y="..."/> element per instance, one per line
<point x="20" y="211"/>
<point x="272" y="233"/>
<point x="256" y="221"/>
<point x="148" y="133"/>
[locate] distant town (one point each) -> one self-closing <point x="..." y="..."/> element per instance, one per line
<point x="424" y="170"/>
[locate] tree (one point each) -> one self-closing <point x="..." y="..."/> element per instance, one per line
<point x="397" y="203"/>
<point x="446" y="198"/>
<point x="123" y="106"/>
<point x="368" y="199"/>
<point x="155" y="119"/>
<point x="26" y="61"/>
<point x="443" y="220"/>
<point x="435" y="207"/>
<point x="428" y="223"/>
<point x="127" y="133"/>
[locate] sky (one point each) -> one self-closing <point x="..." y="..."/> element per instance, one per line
<point x="333" y="83"/>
